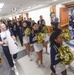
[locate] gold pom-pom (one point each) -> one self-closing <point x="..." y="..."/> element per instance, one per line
<point x="66" y="35"/>
<point x="45" y="29"/>
<point x="27" y="31"/>
<point x="40" y="37"/>
<point x="66" y="55"/>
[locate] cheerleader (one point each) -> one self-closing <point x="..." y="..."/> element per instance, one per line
<point x="47" y="36"/>
<point x="37" y="47"/>
<point x="26" y="41"/>
<point x="55" y="42"/>
<point x="4" y="43"/>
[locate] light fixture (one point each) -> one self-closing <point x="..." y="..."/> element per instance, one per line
<point x="1" y="5"/>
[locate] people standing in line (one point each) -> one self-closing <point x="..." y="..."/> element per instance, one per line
<point x="19" y="32"/>
<point x="26" y="41"/>
<point x="37" y="47"/>
<point x="4" y="43"/>
<point x="56" y="41"/>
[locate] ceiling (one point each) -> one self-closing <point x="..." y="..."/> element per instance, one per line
<point x="18" y="6"/>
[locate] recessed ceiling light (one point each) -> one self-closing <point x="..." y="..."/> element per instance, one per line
<point x="1" y="5"/>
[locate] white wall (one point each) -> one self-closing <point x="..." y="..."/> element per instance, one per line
<point x="45" y="12"/>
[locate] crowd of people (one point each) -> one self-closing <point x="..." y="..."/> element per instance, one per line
<point x="17" y="28"/>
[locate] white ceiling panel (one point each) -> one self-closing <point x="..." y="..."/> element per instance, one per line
<point x="15" y="6"/>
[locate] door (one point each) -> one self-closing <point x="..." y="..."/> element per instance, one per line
<point x="64" y="16"/>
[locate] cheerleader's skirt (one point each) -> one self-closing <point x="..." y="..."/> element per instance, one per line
<point x="72" y="65"/>
<point x="46" y="37"/>
<point x="59" y="68"/>
<point x="38" y="47"/>
<point x="25" y="39"/>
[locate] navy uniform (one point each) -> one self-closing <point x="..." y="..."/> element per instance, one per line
<point x="56" y="66"/>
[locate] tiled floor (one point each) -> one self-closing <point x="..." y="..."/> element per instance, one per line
<point x="30" y="68"/>
<point x="26" y="67"/>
